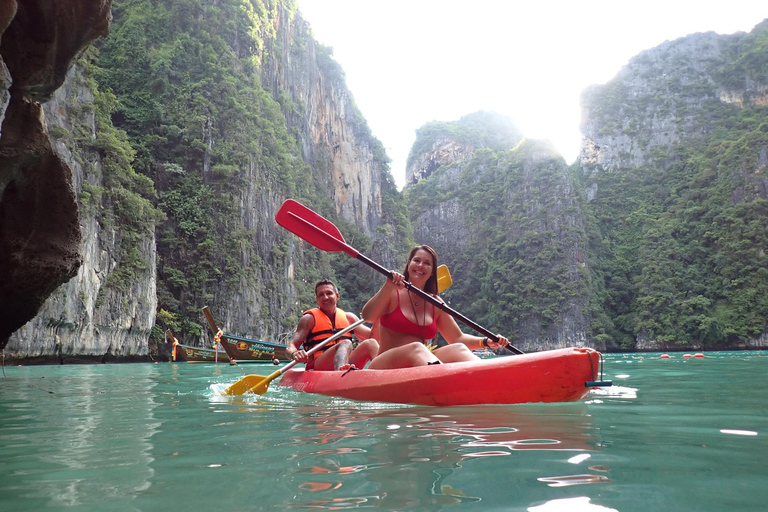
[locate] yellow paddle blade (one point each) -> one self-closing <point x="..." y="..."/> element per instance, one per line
<point x="444" y="280"/>
<point x="243" y="385"/>
<point x="261" y="387"/>
<point x="257" y="384"/>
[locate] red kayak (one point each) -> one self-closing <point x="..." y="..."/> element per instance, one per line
<point x="562" y="375"/>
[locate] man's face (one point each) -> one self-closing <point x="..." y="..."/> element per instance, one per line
<point x="327" y="297"/>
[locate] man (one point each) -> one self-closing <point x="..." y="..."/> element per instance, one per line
<point x="321" y="323"/>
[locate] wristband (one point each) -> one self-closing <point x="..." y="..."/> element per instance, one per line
<point x="485" y="342"/>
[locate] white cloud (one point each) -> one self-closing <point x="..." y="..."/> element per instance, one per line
<point x="409" y="62"/>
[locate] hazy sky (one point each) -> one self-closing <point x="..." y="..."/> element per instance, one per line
<point x="408" y="62"/>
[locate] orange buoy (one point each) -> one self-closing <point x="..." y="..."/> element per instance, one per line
<point x="664" y="356"/>
<point x="698" y="354"/>
<point x="686" y="355"/>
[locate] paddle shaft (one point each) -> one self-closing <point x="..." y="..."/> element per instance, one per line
<point x="441" y="305"/>
<point x="263" y="384"/>
<point x="314" y="231"/>
<point x="322" y="344"/>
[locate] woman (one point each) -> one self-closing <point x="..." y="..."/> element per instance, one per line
<point x="407" y="322"/>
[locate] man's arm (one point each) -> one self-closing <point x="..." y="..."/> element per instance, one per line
<point x="293" y="350"/>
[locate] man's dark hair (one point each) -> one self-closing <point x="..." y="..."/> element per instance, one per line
<point x="323" y="282"/>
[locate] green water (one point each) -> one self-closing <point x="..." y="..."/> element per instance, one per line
<point x="672" y="435"/>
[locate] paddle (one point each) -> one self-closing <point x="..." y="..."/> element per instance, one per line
<point x="444" y="280"/>
<point x="259" y="384"/>
<point x="320" y="232"/>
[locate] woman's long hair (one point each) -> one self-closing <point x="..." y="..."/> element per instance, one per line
<point x="431" y="284"/>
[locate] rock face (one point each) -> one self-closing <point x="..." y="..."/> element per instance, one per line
<point x="442" y="144"/>
<point x="660" y="99"/>
<point x="84" y="319"/>
<point x="336" y="140"/>
<point x="674" y="166"/>
<point x="344" y="157"/>
<point x="73" y="255"/>
<point x="509" y="225"/>
<point x="39" y="231"/>
<point x="444" y="151"/>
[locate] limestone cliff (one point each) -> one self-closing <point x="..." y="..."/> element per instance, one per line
<point x="441" y="144"/>
<point x="85" y="319"/>
<point x="253" y="274"/>
<point x="336" y="140"/>
<point x="666" y="96"/>
<point x="338" y="147"/>
<point x="509" y="225"/>
<point x="39" y="231"/>
<point x="674" y="165"/>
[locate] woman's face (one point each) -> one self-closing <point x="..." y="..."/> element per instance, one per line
<point x="420" y="266"/>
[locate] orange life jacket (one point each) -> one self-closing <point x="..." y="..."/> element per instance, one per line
<point x="324" y="328"/>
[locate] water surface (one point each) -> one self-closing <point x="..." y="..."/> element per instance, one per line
<point x="671" y="435"/>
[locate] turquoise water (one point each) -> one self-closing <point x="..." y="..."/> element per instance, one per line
<point x="671" y="435"/>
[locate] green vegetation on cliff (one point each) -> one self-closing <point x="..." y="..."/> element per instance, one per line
<point x="512" y="250"/>
<point x="679" y="244"/>
<point x="481" y="130"/>
<point x="186" y="78"/>
<point x="124" y="201"/>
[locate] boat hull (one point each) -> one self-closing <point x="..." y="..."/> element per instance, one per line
<point x="199" y="355"/>
<point x="245" y="350"/>
<point x="550" y="376"/>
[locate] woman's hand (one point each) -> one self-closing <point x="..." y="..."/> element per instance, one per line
<point x="397" y="279"/>
<point x="503" y="342"/>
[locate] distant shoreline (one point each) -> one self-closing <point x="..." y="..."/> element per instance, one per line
<point x="162" y="358"/>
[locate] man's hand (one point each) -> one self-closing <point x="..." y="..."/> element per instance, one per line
<point x="298" y="355"/>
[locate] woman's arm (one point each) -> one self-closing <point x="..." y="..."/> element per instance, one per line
<point x="379" y="304"/>
<point x="362" y="332"/>
<point x="448" y="327"/>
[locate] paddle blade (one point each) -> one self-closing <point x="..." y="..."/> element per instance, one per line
<point x="317" y="230"/>
<point x="261" y="387"/>
<point x="243" y="385"/>
<point x="444" y="280"/>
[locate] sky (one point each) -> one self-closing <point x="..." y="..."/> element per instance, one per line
<point x="409" y="62"/>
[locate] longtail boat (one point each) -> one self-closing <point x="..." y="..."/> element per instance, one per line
<point x="245" y="350"/>
<point x="199" y="354"/>
<point x="194" y="354"/>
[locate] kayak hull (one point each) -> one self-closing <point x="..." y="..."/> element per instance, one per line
<point x="549" y="376"/>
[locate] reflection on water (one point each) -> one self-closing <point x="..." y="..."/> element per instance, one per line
<point x="90" y="445"/>
<point x="409" y="455"/>
<point x="580" y="504"/>
<point x="672" y="434"/>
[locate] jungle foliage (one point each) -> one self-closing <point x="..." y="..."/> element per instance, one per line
<point x="511" y="254"/>
<point x="678" y="246"/>
<point x="185" y="78"/>
<point x="673" y="251"/>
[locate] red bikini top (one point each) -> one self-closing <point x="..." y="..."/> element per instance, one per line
<point x="398" y="322"/>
